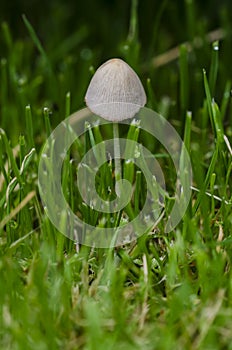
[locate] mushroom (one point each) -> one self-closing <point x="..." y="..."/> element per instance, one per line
<point x="115" y="93"/>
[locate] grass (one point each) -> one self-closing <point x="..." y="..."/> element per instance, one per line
<point x="166" y="290"/>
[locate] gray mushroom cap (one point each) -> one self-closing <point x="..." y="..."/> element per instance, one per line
<point x="115" y="91"/>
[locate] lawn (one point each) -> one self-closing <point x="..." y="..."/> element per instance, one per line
<point x="169" y="288"/>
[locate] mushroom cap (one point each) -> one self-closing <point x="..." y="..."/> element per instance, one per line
<point x="115" y="91"/>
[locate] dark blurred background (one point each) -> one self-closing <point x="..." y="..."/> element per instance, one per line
<point x="107" y="21"/>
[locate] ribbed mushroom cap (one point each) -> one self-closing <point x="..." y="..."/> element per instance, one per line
<point x="115" y="91"/>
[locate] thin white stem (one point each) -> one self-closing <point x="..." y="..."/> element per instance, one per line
<point x="117" y="157"/>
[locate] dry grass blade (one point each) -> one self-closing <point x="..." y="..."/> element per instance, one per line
<point x="173" y="54"/>
<point x="15" y="211"/>
<point x="228" y="144"/>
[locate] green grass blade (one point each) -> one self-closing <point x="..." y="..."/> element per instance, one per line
<point x="214" y="112"/>
<point x="184" y="79"/>
<point x="10" y="155"/>
<point x="207" y="179"/>
<point x="29" y="126"/>
<point x="36" y="41"/>
<point x="214" y="67"/>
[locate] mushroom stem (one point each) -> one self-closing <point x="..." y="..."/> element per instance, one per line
<point x="117" y="160"/>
